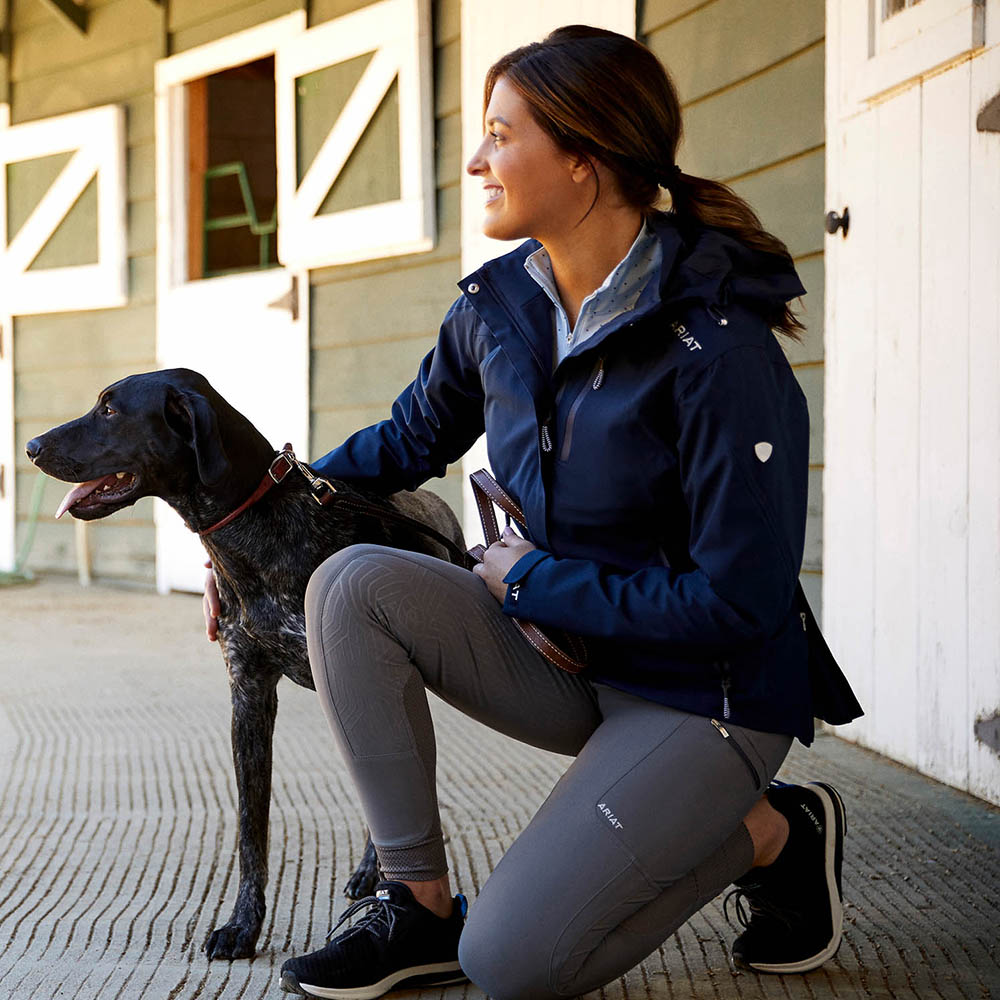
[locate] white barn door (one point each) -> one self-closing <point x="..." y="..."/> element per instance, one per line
<point x="912" y="450"/>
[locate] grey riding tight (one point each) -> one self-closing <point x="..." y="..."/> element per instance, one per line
<point x="641" y="831"/>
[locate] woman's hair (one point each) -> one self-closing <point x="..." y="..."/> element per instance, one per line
<point x="605" y="96"/>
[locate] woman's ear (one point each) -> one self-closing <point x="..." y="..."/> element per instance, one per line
<point x="581" y="168"/>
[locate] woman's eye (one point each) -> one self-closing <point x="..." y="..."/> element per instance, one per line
<point x="495" y="137"/>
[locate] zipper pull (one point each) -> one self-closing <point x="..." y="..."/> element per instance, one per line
<point x="599" y="380"/>
<point x="546" y="439"/>
<point x="722" y="729"/>
<point x="802" y="615"/>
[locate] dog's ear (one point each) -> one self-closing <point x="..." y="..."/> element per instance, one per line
<point x="191" y="416"/>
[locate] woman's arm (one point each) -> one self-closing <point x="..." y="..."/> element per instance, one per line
<point x="434" y="421"/>
<point x="747" y="523"/>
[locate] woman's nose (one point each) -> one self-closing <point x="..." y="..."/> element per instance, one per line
<point x="477" y="162"/>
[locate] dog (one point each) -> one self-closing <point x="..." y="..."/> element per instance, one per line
<point x="169" y="434"/>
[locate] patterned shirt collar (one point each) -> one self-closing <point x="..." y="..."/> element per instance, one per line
<point x="618" y="294"/>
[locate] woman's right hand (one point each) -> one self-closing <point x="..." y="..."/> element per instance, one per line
<point x="211" y="606"/>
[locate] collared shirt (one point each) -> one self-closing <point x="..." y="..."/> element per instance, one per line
<point x="618" y="294"/>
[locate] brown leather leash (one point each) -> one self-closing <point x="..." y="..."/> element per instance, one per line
<point x="561" y="648"/>
<point x="324" y="493"/>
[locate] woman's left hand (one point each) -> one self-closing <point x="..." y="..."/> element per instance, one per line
<point x="499" y="558"/>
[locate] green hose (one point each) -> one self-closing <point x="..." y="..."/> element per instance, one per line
<point x="20" y="574"/>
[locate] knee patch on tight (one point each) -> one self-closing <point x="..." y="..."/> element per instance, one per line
<point x="330" y="573"/>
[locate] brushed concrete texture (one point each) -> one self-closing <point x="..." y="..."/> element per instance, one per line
<point x="117" y="830"/>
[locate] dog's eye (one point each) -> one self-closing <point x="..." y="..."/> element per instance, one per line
<point x="108" y="410"/>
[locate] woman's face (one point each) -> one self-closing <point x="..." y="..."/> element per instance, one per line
<point x="532" y="187"/>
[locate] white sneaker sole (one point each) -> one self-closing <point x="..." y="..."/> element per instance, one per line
<point x="450" y="971"/>
<point x="835" y="817"/>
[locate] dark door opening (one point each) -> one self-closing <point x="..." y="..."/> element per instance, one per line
<point x="232" y="171"/>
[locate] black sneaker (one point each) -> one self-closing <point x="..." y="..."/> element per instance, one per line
<point x="397" y="943"/>
<point x="796" y="909"/>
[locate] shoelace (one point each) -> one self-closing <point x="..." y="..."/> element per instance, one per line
<point x="384" y="912"/>
<point x="759" y="904"/>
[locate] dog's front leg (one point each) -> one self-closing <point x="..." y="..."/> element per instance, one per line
<point x="255" y="705"/>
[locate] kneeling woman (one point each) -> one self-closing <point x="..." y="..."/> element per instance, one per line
<point x="637" y="404"/>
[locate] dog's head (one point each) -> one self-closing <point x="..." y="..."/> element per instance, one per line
<point x="155" y="434"/>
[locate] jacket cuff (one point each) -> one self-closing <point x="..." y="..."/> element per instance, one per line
<point x="515" y="578"/>
<point x="525" y="565"/>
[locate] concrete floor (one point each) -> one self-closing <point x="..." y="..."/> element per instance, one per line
<point x="117" y="829"/>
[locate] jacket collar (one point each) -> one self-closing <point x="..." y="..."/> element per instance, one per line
<point x="699" y="263"/>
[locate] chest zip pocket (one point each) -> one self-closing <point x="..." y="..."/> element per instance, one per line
<point x="595" y="383"/>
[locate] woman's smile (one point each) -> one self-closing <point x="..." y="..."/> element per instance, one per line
<point x="493" y="193"/>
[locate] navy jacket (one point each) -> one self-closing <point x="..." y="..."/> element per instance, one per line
<point x="662" y="470"/>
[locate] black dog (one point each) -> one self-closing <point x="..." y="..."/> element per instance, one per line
<point x="169" y="434"/>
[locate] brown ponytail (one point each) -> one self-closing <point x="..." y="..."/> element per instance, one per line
<point x="606" y="96"/>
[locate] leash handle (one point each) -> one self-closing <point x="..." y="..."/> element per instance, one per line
<point x="561" y="648"/>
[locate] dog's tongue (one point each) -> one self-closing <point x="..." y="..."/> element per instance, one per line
<point x="76" y="494"/>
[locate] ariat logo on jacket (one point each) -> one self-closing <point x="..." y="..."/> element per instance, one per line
<point x="684" y="337"/>
<point x="609" y="815"/>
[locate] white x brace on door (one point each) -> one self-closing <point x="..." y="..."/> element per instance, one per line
<point x="96" y="139"/>
<point x="397" y="34"/>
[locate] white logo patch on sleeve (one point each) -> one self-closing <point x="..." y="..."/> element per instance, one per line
<point x="763" y="449"/>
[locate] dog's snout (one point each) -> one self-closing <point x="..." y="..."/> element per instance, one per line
<point x="33" y="448"/>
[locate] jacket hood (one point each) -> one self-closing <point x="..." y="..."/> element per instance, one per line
<point x="703" y="262"/>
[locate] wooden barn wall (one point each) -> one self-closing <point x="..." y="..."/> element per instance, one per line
<point x="62" y="360"/>
<point x="751" y="82"/>
<point x="372" y="322"/>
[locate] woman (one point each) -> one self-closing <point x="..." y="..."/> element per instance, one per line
<point x="637" y="404"/>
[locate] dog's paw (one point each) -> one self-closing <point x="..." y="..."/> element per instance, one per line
<point x="231" y="941"/>
<point x="362" y="882"/>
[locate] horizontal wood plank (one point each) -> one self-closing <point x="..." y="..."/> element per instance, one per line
<point x="104" y="337"/>
<point x="374" y="373"/>
<point x="119" y="77"/>
<point x="764" y="120"/>
<point x="788" y="198"/>
<point x="384" y="306"/>
<point x="708" y="50"/>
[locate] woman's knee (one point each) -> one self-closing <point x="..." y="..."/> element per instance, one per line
<point x="337" y="572"/>
<point x="504" y="960"/>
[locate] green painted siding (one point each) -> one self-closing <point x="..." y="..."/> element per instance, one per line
<point x="751" y="81"/>
<point x="372" y="322"/>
